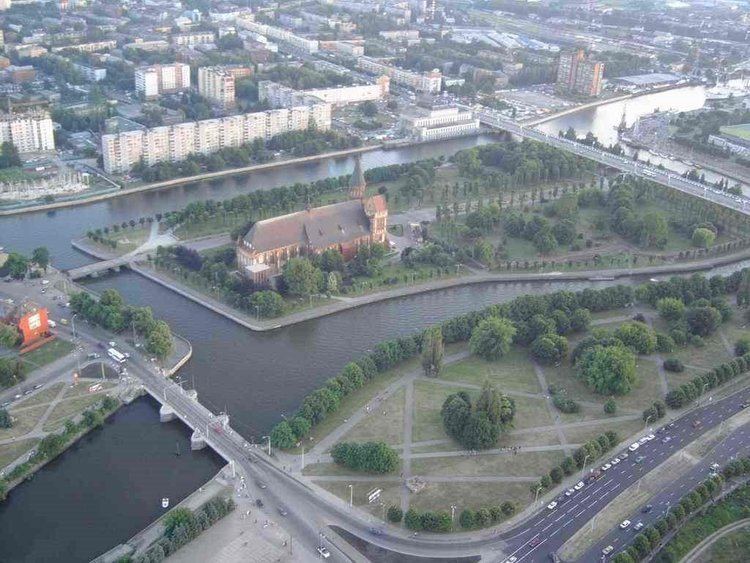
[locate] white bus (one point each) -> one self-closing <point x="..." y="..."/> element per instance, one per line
<point x="116" y="356"/>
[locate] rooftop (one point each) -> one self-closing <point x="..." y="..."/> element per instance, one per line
<point x="741" y="131"/>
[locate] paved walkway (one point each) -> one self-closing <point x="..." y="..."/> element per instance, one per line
<point x="406" y="455"/>
<point x="553" y="412"/>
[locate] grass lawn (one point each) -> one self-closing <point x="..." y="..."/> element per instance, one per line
<point x="514" y="372"/>
<point x="48" y="353"/>
<point x="11" y="452"/>
<point x="440" y="496"/>
<point x="526" y="464"/>
<point x="330" y="468"/>
<point x="728" y="549"/>
<point x="42" y="397"/>
<point x="587" y="412"/>
<point x="535" y="438"/>
<point x="23" y="421"/>
<point x="709" y="356"/>
<point x="388" y="428"/>
<point x="390" y="495"/>
<point x="428" y="400"/>
<point x="674" y="380"/>
<point x="736" y="327"/>
<point x="530" y="413"/>
<point x="356" y="401"/>
<point x="68" y="408"/>
<point x="82" y="389"/>
<point x="583" y="434"/>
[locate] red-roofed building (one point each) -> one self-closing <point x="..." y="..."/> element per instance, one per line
<point x="344" y="226"/>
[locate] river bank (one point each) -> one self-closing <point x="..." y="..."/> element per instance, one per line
<point x="155" y="186"/>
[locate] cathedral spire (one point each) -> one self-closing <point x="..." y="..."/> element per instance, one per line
<point x="357" y="184"/>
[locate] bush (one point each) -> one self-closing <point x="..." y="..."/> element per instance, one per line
<point x="610" y="406"/>
<point x="372" y="457"/>
<point x="674" y="365"/>
<point x="742" y="346"/>
<point x="395" y="514"/>
<point x="491" y="338"/>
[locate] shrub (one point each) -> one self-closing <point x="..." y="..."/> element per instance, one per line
<point x="674" y="365"/>
<point x="610" y="406"/>
<point x="395" y="514"/>
<point x="742" y="346"/>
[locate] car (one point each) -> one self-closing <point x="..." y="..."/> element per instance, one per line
<point x="648" y="508"/>
<point x="639" y="459"/>
<point x="624" y="455"/>
<point x="569" y="492"/>
<point x="578" y="486"/>
<point x="376" y="531"/>
<point x="607" y="550"/>
<point x="615" y="461"/>
<point x="715" y="467"/>
<point x="643" y="440"/>
<point x="535" y="541"/>
<point x="259" y="503"/>
<point x="634" y="446"/>
<point x="638" y="527"/>
<point x="651" y="437"/>
<point x="283" y="510"/>
<point x="552" y="505"/>
<point x="17" y="396"/>
<point x="606" y="466"/>
<point x="745" y="405"/>
<point x="624" y="524"/>
<point x="93" y="356"/>
<point x="28" y="392"/>
<point x="666" y="439"/>
<point x="261" y="484"/>
<point x="511" y="559"/>
<point x="38" y="385"/>
<point x="324" y="553"/>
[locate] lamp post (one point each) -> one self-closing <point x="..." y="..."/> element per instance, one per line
<point x="269" y="443"/>
<point x="583" y="469"/>
<point x="536" y="496"/>
<point x="645" y="425"/>
<point x="453" y="513"/>
<point x="351" y="495"/>
<point x="73" y="323"/>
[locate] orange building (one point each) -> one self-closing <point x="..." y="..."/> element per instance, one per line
<point x="34" y="326"/>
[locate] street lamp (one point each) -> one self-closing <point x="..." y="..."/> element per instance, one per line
<point x="269" y="443"/>
<point x="536" y="496"/>
<point x="73" y="323"/>
<point x="453" y="513"/>
<point x="648" y="419"/>
<point x="351" y="496"/>
<point x="583" y="469"/>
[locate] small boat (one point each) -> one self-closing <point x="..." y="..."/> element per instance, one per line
<point x="165" y="502"/>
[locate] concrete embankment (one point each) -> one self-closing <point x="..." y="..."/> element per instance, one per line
<point x="188" y="180"/>
<point x="351" y="302"/>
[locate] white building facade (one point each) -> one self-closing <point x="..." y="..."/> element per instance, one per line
<point x="430" y="82"/>
<point x="441" y="123"/>
<point x="29" y="132"/>
<point x="174" y="143"/>
<point x="280" y="96"/>
<point x="152" y="81"/>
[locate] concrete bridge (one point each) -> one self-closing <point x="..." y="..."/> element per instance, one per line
<point x="496" y="120"/>
<point x="93" y="270"/>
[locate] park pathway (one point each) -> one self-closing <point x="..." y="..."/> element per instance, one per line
<point x="553" y="413"/>
<point x="407" y="455"/>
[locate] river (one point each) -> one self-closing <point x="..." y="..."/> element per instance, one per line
<point x="255" y="377"/>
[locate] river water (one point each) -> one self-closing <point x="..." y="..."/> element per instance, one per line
<point x="255" y="377"/>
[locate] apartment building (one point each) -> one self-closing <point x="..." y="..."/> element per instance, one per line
<point x="29" y="132"/>
<point x="152" y="81"/>
<point x="216" y="83"/>
<point x="439" y="122"/>
<point x="578" y="74"/>
<point x="429" y="82"/>
<point x="282" y="35"/>
<point x="192" y="38"/>
<point x="280" y="96"/>
<point x="92" y="47"/>
<point x="353" y="48"/>
<point x="173" y="143"/>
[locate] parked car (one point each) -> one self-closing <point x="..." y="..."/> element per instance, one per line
<point x="324" y="553"/>
<point x="624" y="524"/>
<point x="552" y="505"/>
<point x="648" y="508"/>
<point x="607" y="550"/>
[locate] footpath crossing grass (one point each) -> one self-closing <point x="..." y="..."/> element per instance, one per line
<point x="513" y="372"/>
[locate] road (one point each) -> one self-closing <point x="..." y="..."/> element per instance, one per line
<point x="665" y="177"/>
<point x="309" y="513"/>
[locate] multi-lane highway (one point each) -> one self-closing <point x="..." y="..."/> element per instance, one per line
<point x="495" y="119"/>
<point x="309" y="512"/>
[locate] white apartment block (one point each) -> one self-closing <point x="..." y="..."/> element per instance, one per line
<point x="152" y="81"/>
<point x="428" y="82"/>
<point x="173" y="143"/>
<point x="280" y="96"/>
<point x="441" y="123"/>
<point x="88" y="47"/>
<point x="216" y="83"/>
<point x="279" y="34"/>
<point x="193" y="38"/>
<point x="29" y="132"/>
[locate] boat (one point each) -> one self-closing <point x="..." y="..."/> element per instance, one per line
<point x="165" y="502"/>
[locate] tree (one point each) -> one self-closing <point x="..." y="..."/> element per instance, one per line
<point x="5" y="419"/>
<point x="40" y="256"/>
<point x="178" y="518"/>
<point x="549" y="348"/>
<point x="742" y="346"/>
<point x="267" y="303"/>
<point x="609" y="370"/>
<point x="394" y="514"/>
<point x="373" y="457"/>
<point x="9" y="335"/>
<point x="499" y="408"/>
<point x="638" y="336"/>
<point x="580" y="319"/>
<point x="703" y="320"/>
<point x="368" y="108"/>
<point x="282" y="435"/>
<point x="654" y="230"/>
<point x="492" y="337"/>
<point x="703" y="238"/>
<point x="301" y="277"/>
<point x="413" y="520"/>
<point x="159" y="340"/>
<point x="9" y="156"/>
<point x="16" y="265"/>
<point x="467" y="519"/>
<point x="670" y="308"/>
<point x="610" y="406"/>
<point x="432" y="351"/>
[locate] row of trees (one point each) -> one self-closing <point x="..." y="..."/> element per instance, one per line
<point x="371" y="457"/>
<point x="111" y="313"/>
<point x="651" y="537"/>
<point x="17" y="265"/>
<point x="183" y="525"/>
<point x="700" y="384"/>
<point x="477" y="426"/>
<point x="585" y="455"/>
